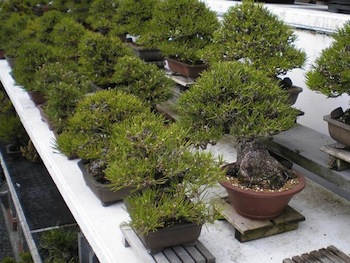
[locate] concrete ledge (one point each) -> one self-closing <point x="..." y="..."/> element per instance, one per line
<point x="301" y="145"/>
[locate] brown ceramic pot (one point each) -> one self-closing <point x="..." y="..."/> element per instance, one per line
<point x="261" y="205"/>
<point x="339" y="131"/>
<point x="186" y="70"/>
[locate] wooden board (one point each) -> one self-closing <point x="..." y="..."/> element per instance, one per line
<point x="339" y="156"/>
<point x="181" y="80"/>
<point x="330" y="254"/>
<point x="176" y="254"/>
<point x="247" y="229"/>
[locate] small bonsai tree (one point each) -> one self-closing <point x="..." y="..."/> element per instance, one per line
<point x="62" y="86"/>
<point x="98" y="55"/>
<point x="88" y="130"/>
<point x="329" y="74"/>
<point x="180" y="28"/>
<point x="144" y="80"/>
<point x="251" y="33"/>
<point x="169" y="178"/>
<point x="234" y="98"/>
<point x="102" y="16"/>
<point x="135" y="15"/>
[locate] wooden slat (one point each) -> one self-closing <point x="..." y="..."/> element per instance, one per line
<point x="339" y="253"/>
<point x="195" y="254"/>
<point x="171" y="256"/>
<point x="183" y="254"/>
<point x="339" y="156"/>
<point x="323" y="255"/>
<point x="205" y="252"/>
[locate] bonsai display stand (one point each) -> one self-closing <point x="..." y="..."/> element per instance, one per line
<point x="197" y="253"/>
<point x="183" y="81"/>
<point x="329" y="255"/>
<point x="339" y="156"/>
<point x="247" y="229"/>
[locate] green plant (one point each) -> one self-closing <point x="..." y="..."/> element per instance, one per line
<point x="88" y="130"/>
<point x="60" y="245"/>
<point x="98" y="56"/>
<point x="329" y="74"/>
<point x="31" y="56"/>
<point x="11" y="32"/>
<point x="180" y="28"/>
<point x="66" y="35"/>
<point x="169" y="178"/>
<point x="144" y="80"/>
<point x="102" y="16"/>
<point x="234" y="98"/>
<point x="46" y="23"/>
<point x="24" y="257"/>
<point x="135" y="15"/>
<point x="251" y="33"/>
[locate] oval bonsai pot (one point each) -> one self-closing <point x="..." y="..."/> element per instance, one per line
<point x="261" y="205"/>
<point x="102" y="191"/>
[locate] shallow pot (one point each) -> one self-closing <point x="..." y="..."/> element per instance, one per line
<point x="338" y="130"/>
<point x="261" y="205"/>
<point x="148" y="55"/>
<point x="171" y="236"/>
<point x="103" y="191"/>
<point x="184" y="69"/>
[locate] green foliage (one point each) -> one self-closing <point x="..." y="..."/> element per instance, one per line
<point x="31" y="56"/>
<point x="46" y="24"/>
<point x="142" y="79"/>
<point x="90" y="126"/>
<point x="102" y="16"/>
<point x="252" y="33"/>
<point x="60" y="245"/>
<point x="234" y="98"/>
<point x="24" y="257"/>
<point x="134" y="15"/>
<point x="11" y="32"/>
<point x="11" y="129"/>
<point x="99" y="55"/>
<point x="181" y="28"/>
<point x="330" y="73"/>
<point x="158" y="162"/>
<point x="67" y="34"/>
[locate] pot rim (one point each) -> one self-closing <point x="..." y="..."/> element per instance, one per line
<point x="263" y="194"/>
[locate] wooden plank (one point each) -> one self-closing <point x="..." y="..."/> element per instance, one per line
<point x="328" y="254"/>
<point x="339" y="156"/>
<point x="339" y="253"/>
<point x="136" y="244"/>
<point x="160" y="258"/>
<point x="171" y="256"/>
<point x="195" y="254"/>
<point x="287" y="260"/>
<point x="183" y="254"/>
<point x="205" y="252"/>
<point x="320" y="257"/>
<point x="247" y="229"/>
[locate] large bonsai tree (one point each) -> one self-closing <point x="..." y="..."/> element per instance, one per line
<point x="234" y="98"/>
<point x="180" y="28"/>
<point x="253" y="34"/>
<point x="330" y="73"/>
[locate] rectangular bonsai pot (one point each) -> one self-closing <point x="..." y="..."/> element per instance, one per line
<point x="338" y="130"/>
<point x="184" y="69"/>
<point x="103" y="191"/>
<point x="171" y="236"/>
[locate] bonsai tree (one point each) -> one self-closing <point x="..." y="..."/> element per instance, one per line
<point x="98" y="56"/>
<point x="88" y="130"/>
<point x="62" y="86"/>
<point x="144" y="80"/>
<point x="102" y="16"/>
<point x="234" y="98"/>
<point x="169" y="178"/>
<point x="135" y="15"/>
<point x="329" y="74"/>
<point x="252" y="34"/>
<point x="180" y="28"/>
